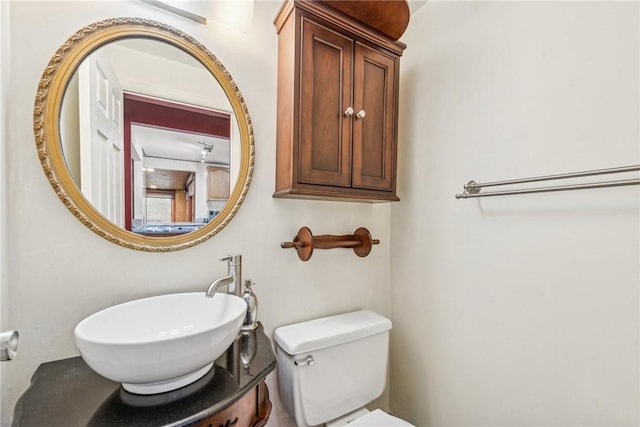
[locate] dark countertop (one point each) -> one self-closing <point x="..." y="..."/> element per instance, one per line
<point x="68" y="393"/>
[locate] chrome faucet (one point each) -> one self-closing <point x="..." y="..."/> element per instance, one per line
<point x="233" y="280"/>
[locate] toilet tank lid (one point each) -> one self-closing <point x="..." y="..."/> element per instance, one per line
<point x="329" y="331"/>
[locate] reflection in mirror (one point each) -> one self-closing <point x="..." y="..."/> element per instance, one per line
<point x="143" y="134"/>
<point x="144" y="126"/>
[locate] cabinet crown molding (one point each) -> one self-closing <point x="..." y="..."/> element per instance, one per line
<point x="387" y="18"/>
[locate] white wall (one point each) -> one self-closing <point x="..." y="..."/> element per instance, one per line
<point x="62" y="272"/>
<point x="520" y="310"/>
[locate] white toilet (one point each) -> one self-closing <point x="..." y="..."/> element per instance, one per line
<point x="329" y="368"/>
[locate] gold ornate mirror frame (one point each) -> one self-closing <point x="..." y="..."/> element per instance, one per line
<point x="47" y="110"/>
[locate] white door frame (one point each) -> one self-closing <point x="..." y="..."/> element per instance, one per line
<point x="5" y="411"/>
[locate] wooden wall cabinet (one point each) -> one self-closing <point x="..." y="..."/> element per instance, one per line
<point x="217" y="183"/>
<point x="337" y="102"/>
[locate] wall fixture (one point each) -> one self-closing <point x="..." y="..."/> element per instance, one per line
<point x="206" y="150"/>
<point x="236" y="14"/>
<point x="177" y="11"/>
<point x="304" y="242"/>
<point x="472" y="188"/>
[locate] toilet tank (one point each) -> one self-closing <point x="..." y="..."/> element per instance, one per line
<point x="331" y="366"/>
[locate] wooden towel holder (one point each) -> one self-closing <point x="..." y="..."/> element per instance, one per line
<point x="305" y="242"/>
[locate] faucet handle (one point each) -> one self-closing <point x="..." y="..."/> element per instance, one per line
<point x="233" y="259"/>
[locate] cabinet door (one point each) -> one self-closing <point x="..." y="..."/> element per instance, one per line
<point x="241" y="414"/>
<point x="325" y="93"/>
<point x="374" y="140"/>
<point x="252" y="410"/>
<point x="217" y="183"/>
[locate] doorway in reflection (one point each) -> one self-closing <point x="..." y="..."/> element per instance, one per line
<point x="171" y="204"/>
<point x="177" y="154"/>
<point x="160" y="207"/>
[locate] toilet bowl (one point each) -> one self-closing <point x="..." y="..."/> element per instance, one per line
<point x="364" y="418"/>
<point x="379" y="418"/>
<point x="330" y="368"/>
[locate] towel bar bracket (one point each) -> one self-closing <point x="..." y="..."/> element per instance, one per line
<point x="472" y="187"/>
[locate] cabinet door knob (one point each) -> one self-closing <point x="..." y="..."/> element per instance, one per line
<point x="348" y="112"/>
<point x="361" y="114"/>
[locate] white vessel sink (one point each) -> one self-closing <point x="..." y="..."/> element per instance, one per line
<point x="162" y="343"/>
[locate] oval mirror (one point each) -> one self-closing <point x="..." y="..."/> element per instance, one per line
<point x="144" y="135"/>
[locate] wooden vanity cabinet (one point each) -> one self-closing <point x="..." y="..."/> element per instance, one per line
<point x="252" y="410"/>
<point x="337" y="105"/>
<point x="68" y="392"/>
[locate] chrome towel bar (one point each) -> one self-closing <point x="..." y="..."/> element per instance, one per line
<point x="473" y="189"/>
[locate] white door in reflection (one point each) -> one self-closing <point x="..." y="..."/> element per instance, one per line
<point x="101" y="141"/>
